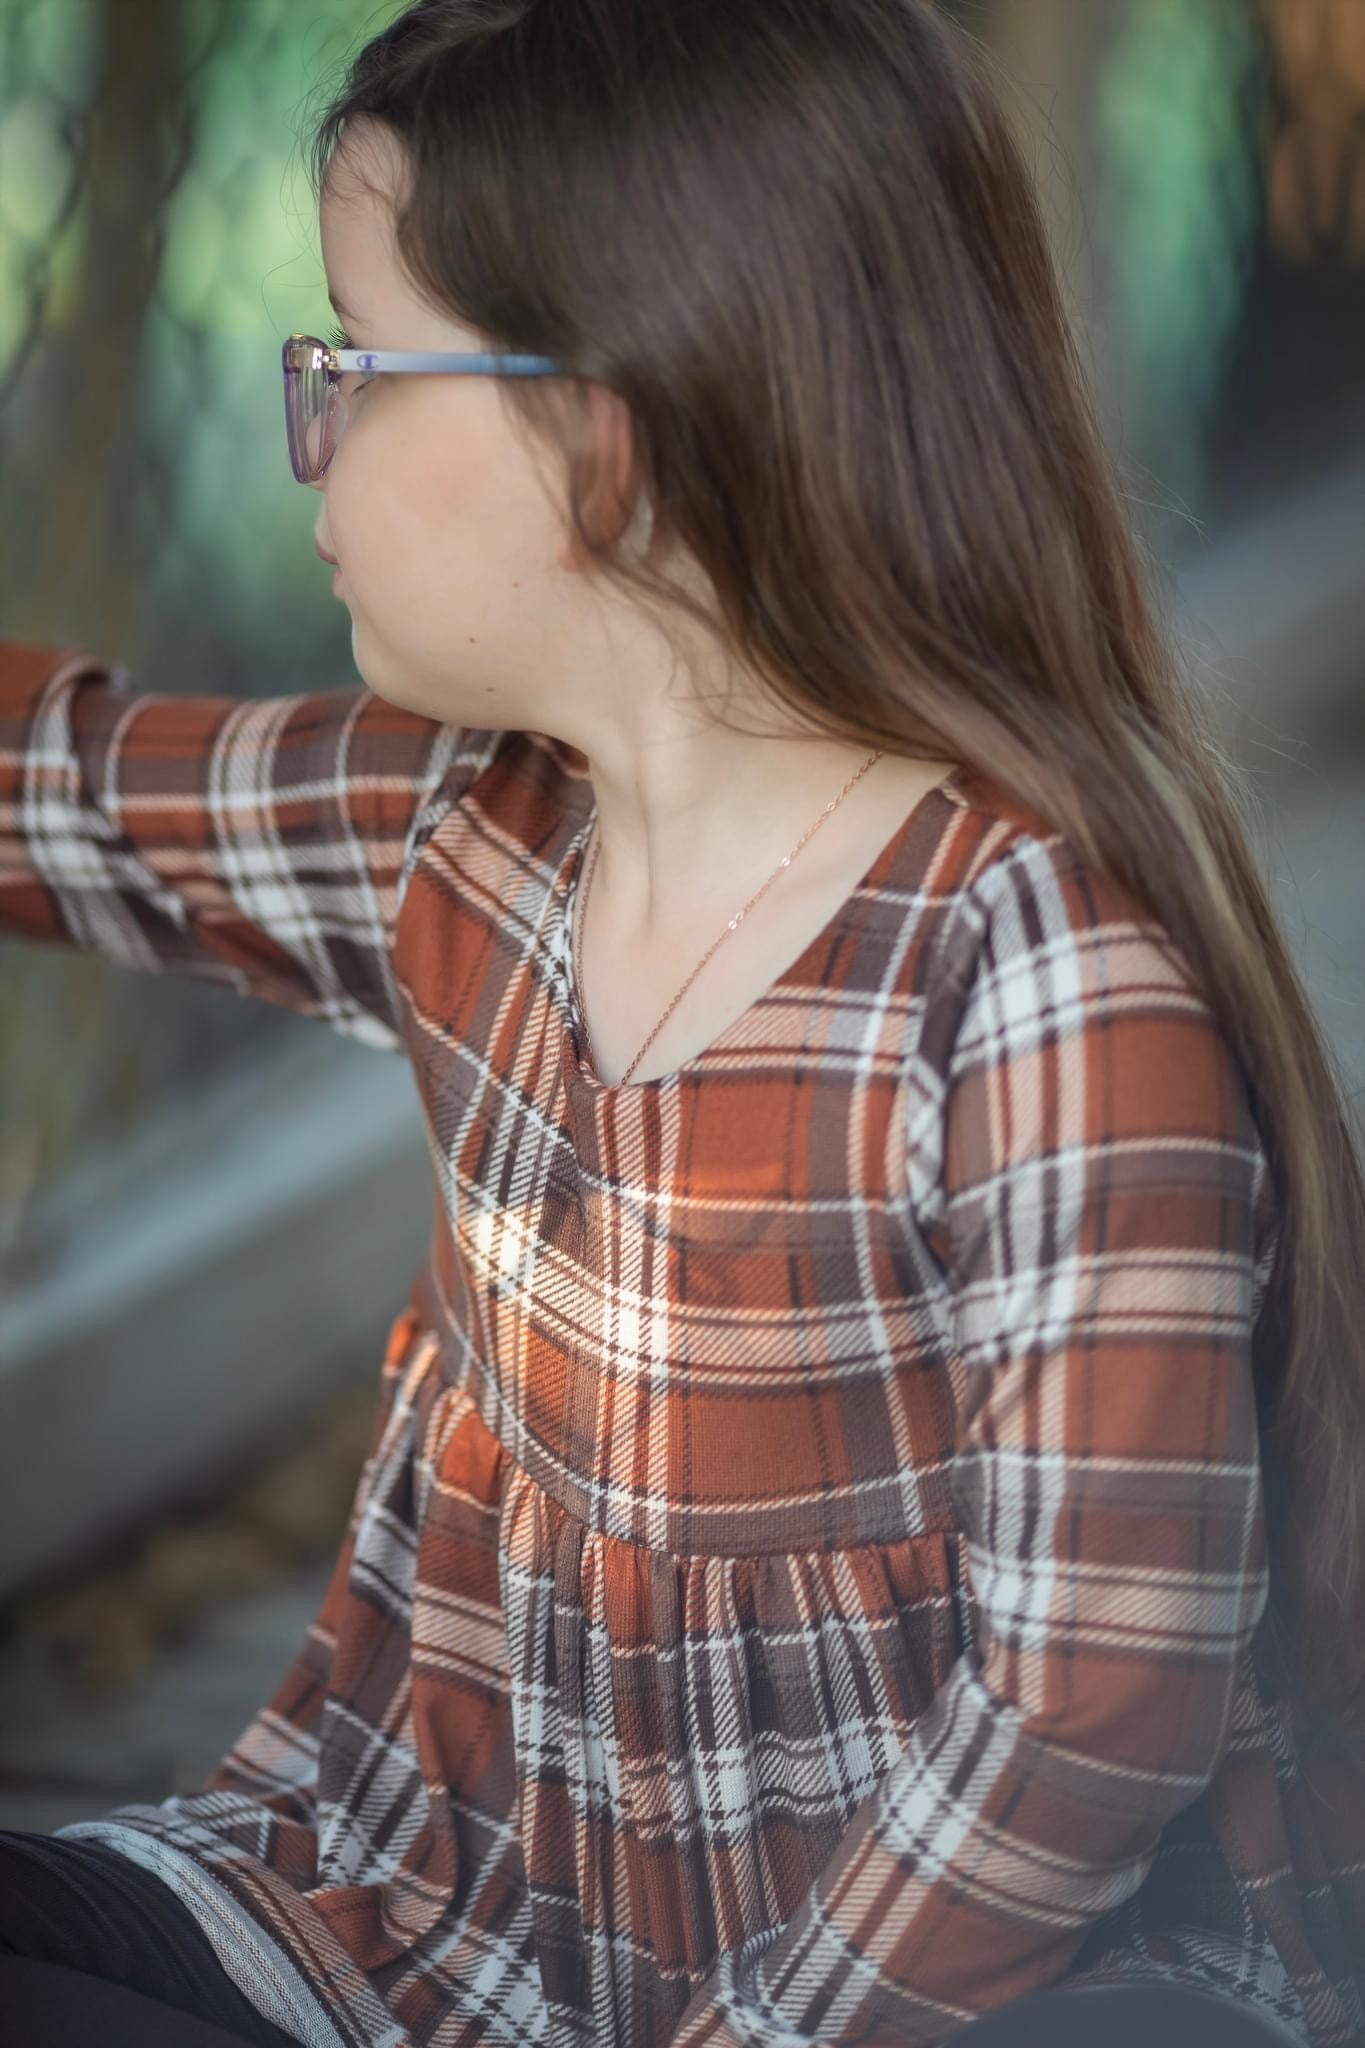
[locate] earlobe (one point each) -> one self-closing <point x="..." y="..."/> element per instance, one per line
<point x="639" y="535"/>
<point x="617" y="507"/>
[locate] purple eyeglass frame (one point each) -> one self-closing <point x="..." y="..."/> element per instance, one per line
<point x="305" y="352"/>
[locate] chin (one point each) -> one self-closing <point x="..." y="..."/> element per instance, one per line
<point x="404" y="696"/>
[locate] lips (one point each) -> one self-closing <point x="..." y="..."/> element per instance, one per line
<point x="323" y="555"/>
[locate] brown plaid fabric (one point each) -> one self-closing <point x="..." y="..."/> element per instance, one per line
<point x="807" y="1584"/>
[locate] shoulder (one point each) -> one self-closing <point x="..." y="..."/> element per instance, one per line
<point x="1059" y="1015"/>
<point x="514" y="764"/>
<point x="1030" y="923"/>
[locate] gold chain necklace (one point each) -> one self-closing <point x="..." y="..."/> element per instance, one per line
<point x="737" y="919"/>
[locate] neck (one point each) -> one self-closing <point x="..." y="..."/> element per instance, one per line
<point x="666" y="868"/>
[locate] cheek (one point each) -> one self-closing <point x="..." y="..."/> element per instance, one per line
<point x="434" y="510"/>
<point x="379" y="503"/>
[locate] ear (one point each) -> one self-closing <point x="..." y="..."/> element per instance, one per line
<point x="617" y="504"/>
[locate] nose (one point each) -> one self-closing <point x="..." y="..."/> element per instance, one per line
<point x="323" y="554"/>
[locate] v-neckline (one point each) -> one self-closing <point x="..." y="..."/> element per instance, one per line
<point x="942" y="797"/>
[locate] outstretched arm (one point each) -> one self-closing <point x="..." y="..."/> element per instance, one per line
<point x="263" y="843"/>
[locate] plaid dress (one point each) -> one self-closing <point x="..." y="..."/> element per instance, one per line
<point x="807" y="1581"/>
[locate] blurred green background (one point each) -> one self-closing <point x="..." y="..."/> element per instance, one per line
<point x="157" y="243"/>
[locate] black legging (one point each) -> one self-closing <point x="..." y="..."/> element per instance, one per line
<point x="93" y="1948"/>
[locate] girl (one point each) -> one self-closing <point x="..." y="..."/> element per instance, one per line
<point x="863" y="1530"/>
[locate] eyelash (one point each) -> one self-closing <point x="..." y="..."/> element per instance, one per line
<point x="338" y="338"/>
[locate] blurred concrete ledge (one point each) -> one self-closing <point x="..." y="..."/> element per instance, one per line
<point x="232" y="1267"/>
<point x="244" y="1257"/>
<point x="66" y="1755"/>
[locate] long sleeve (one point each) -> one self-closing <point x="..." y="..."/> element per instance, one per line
<point x="1083" y="1164"/>
<point x="261" y="843"/>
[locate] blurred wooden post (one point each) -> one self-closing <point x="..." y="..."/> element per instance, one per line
<point x="84" y="437"/>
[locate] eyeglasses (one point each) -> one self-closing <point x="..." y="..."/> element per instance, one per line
<point x="315" y="406"/>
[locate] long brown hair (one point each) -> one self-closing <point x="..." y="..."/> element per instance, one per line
<point x="799" y="242"/>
